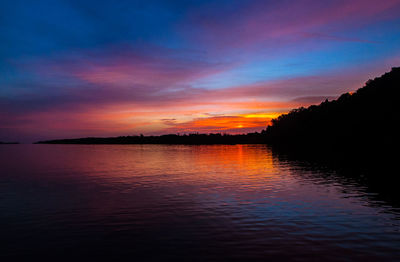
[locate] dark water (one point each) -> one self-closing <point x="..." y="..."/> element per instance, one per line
<point x="160" y="202"/>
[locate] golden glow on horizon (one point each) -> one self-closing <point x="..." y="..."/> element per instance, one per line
<point x="266" y="116"/>
<point x="227" y="124"/>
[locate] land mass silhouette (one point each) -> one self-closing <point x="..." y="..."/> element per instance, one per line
<point x="358" y="128"/>
<point x="191" y="139"/>
<point x="367" y="116"/>
<point x="365" y="119"/>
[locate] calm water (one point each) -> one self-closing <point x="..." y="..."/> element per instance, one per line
<point x="159" y="202"/>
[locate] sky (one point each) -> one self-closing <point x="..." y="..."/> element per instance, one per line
<point x="108" y="68"/>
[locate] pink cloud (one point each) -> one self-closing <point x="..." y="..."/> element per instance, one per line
<point x="124" y="67"/>
<point x="263" y="23"/>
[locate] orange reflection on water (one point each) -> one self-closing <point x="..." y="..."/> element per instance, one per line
<point x="225" y="164"/>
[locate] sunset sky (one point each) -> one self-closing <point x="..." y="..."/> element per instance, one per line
<point x="109" y="68"/>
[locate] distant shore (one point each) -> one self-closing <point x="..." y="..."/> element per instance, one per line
<point x="190" y="139"/>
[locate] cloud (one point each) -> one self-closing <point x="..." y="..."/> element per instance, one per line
<point x="265" y="22"/>
<point x="222" y="124"/>
<point x="337" y="38"/>
<point x="305" y="100"/>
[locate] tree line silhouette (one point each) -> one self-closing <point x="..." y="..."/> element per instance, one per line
<point x="8" y="143"/>
<point x="366" y="118"/>
<point x="190" y="139"/>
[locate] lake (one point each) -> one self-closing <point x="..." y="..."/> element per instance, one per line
<point x="196" y="203"/>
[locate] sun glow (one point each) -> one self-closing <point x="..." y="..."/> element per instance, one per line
<point x="268" y="116"/>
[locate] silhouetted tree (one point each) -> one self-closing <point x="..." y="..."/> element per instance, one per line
<point x="365" y="118"/>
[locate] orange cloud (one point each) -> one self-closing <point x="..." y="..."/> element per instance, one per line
<point x="223" y="124"/>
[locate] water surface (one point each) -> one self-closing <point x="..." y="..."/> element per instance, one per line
<point x="159" y="202"/>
